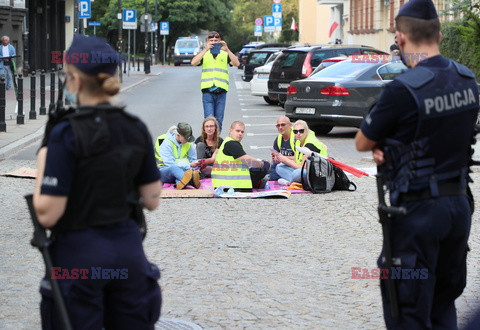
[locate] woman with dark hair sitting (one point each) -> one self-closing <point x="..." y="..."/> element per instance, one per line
<point x="207" y="145"/>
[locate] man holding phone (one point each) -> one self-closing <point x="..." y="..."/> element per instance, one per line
<point x="215" y="58"/>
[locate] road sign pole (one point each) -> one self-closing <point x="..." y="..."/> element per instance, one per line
<point x="163" y="59"/>
<point x="128" y="53"/>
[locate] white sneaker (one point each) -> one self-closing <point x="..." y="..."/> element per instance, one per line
<point x="283" y="182"/>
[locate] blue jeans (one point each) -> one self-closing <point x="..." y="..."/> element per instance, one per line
<point x="171" y="174"/>
<point x="289" y="173"/>
<point x="6" y="72"/>
<point x="214" y="105"/>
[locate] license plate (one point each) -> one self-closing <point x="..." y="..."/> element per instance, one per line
<point x="186" y="61"/>
<point x="305" y="111"/>
<point x="263" y="75"/>
<point x="283" y="85"/>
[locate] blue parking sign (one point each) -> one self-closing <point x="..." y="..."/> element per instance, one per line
<point x="129" y="15"/>
<point x="269" y="23"/>
<point x="164" y="28"/>
<point x="84" y="9"/>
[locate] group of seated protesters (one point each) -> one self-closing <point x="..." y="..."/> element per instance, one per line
<point x="184" y="162"/>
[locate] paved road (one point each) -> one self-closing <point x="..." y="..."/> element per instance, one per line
<point x="238" y="263"/>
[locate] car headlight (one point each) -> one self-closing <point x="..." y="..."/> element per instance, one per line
<point x="177" y="53"/>
<point x="195" y="53"/>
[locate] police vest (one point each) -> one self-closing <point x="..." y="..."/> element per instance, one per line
<point x="447" y="103"/>
<point x="215" y="71"/>
<point x="230" y="172"/>
<point x="103" y="190"/>
<point x="311" y="138"/>
<point x="182" y="158"/>
<point x="291" y="141"/>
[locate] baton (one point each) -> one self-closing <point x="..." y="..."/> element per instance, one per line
<point x="386" y="214"/>
<point x="41" y="241"/>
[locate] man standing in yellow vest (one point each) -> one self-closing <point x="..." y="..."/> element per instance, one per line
<point x="176" y="157"/>
<point x="215" y="58"/>
<point x="234" y="168"/>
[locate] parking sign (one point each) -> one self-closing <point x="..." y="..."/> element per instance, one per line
<point x="269" y="23"/>
<point x="129" y="19"/>
<point x="84" y="9"/>
<point x="164" y="28"/>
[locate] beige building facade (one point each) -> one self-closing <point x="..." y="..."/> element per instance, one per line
<point x="365" y="22"/>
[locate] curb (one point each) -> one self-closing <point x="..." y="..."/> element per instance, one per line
<point x="12" y="148"/>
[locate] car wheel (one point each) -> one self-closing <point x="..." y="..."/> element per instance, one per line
<point x="176" y="63"/>
<point x="322" y="129"/>
<point x="270" y="101"/>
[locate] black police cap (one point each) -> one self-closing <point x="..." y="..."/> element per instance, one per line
<point x="92" y="55"/>
<point x="423" y="9"/>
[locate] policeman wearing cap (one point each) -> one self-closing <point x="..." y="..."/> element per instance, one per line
<point x="95" y="166"/>
<point x="420" y="133"/>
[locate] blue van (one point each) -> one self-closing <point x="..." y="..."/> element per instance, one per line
<point x="185" y="49"/>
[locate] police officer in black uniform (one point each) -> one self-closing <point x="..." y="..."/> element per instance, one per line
<point x="420" y="133"/>
<point x="96" y="165"/>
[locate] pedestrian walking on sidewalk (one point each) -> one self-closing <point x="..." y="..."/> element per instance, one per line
<point x="215" y="59"/>
<point x="95" y="168"/>
<point x="7" y="65"/>
<point x="420" y="132"/>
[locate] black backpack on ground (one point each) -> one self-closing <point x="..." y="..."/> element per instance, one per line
<point x="341" y="180"/>
<point x="320" y="175"/>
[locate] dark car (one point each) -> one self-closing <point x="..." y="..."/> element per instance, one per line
<point x="342" y="94"/>
<point x="298" y="62"/>
<point x="243" y="54"/>
<point x="256" y="58"/>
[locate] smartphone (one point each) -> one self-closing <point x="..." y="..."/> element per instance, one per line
<point x="215" y="50"/>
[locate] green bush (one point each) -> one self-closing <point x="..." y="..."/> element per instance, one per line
<point x="461" y="42"/>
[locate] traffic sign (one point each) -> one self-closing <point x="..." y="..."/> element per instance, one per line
<point x="129" y="19"/>
<point x="153" y="27"/>
<point x="257" y="30"/>
<point x="93" y="23"/>
<point x="258" y="21"/>
<point x="269" y="23"/>
<point x="277" y="1"/>
<point x="164" y="28"/>
<point x="146" y="17"/>
<point x="277" y="22"/>
<point x="84" y="9"/>
<point x="276" y="8"/>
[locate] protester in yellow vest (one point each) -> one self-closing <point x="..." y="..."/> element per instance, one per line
<point x="234" y="168"/>
<point x="215" y="58"/>
<point x="291" y="169"/>
<point x="284" y="143"/>
<point x="176" y="157"/>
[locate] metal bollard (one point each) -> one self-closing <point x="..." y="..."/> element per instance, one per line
<point x="32" y="114"/>
<point x="51" y="106"/>
<point x="146" y="64"/>
<point x="3" y="124"/>
<point x="138" y="63"/>
<point x="43" y="110"/>
<point x="124" y="66"/>
<point x="20" y="115"/>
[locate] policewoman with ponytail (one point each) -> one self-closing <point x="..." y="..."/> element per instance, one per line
<point x="95" y="168"/>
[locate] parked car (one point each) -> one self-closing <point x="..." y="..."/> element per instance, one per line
<point x="243" y="54"/>
<point x="326" y="63"/>
<point x="299" y="62"/>
<point x="256" y="58"/>
<point x="258" y="84"/>
<point x="340" y="95"/>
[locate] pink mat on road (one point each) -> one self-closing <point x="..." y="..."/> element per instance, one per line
<point x="207" y="184"/>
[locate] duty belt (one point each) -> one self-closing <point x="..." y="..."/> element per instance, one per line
<point x="446" y="189"/>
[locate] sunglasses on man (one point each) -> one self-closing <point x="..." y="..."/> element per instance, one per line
<point x="301" y="131"/>
<point x="211" y="36"/>
<point x="281" y="125"/>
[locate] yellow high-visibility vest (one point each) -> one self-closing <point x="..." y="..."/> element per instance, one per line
<point x="280" y="140"/>
<point x="230" y="172"/>
<point x="215" y="71"/>
<point x="183" y="158"/>
<point x="311" y="138"/>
